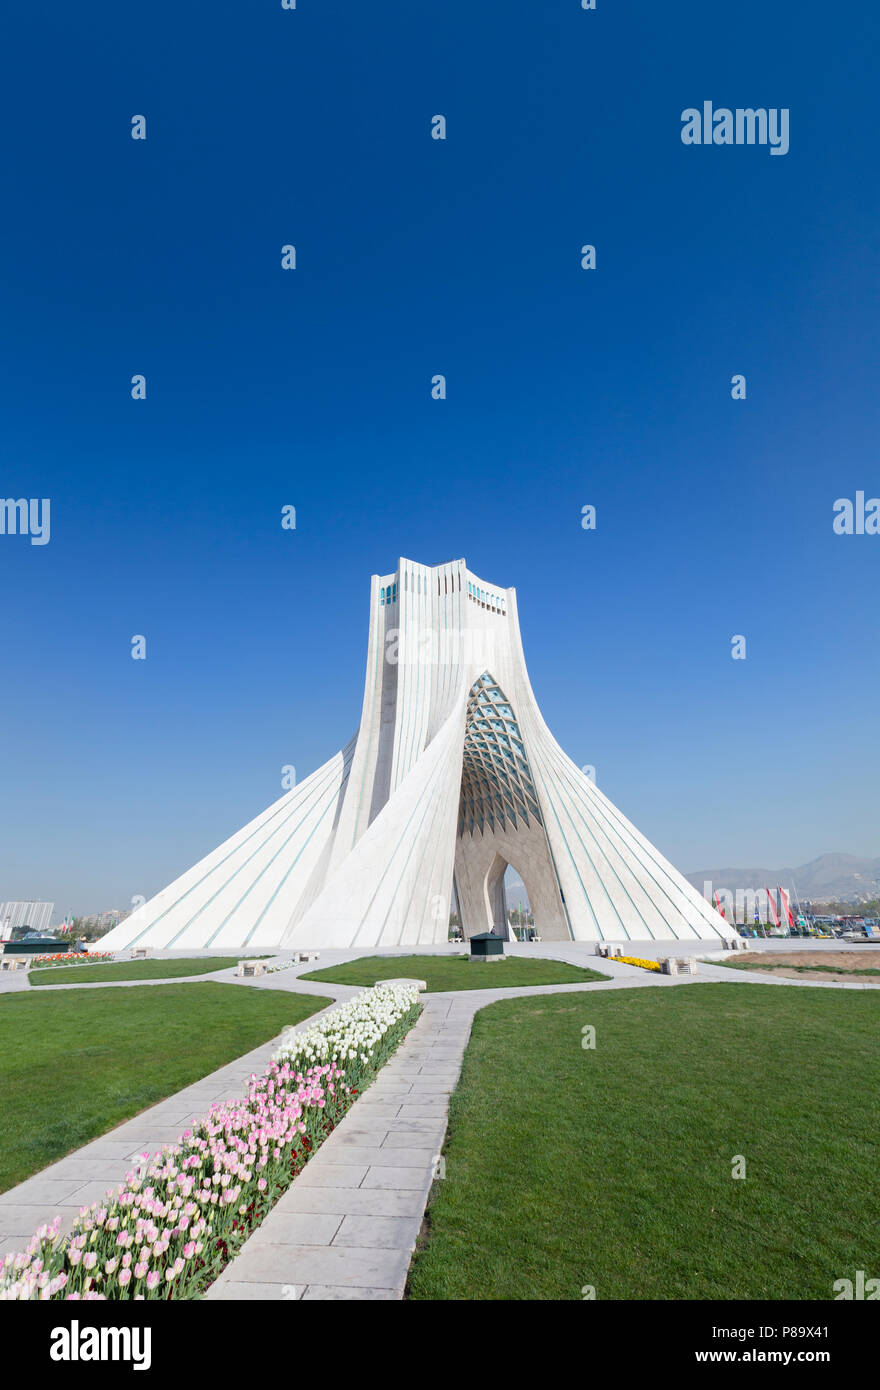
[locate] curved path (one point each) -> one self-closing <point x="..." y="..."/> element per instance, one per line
<point x="347" y="1226"/>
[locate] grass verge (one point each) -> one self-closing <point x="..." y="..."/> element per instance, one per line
<point x="130" y="970"/>
<point x="455" y="972"/>
<point x="612" y="1167"/>
<point x="78" y="1063"/>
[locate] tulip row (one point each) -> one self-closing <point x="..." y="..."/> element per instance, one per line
<point x="353" y="1035"/>
<point x="71" y="958"/>
<point x="168" y="1231"/>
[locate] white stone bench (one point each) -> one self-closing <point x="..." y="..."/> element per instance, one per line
<point x="678" y="965"/>
<point x="251" y="967"/>
<point x="307" y="955"/>
<point x="139" y="952"/>
<point x="14" y="962"/>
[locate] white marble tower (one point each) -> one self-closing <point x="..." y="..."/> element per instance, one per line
<point x="453" y="772"/>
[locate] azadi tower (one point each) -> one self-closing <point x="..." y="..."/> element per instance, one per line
<point x="452" y="775"/>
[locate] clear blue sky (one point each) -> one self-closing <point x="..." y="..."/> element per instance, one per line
<point x="565" y="387"/>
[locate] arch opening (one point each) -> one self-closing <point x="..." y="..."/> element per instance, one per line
<point x="501" y="825"/>
<point x="520" y="917"/>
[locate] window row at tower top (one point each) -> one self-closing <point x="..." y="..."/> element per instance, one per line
<point x="495" y="602"/>
<point x="486" y="598"/>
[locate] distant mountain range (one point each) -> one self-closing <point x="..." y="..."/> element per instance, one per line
<point x="830" y="878"/>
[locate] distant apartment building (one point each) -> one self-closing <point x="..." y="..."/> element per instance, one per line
<point x="31" y="914"/>
<point x="104" y="919"/>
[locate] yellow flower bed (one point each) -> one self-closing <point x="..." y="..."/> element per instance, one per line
<point x="637" y="960"/>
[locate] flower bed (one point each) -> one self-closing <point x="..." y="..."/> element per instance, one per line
<point x="352" y="1035"/>
<point x="637" y="960"/>
<point x="168" y="1231"/>
<point x="71" y="958"/>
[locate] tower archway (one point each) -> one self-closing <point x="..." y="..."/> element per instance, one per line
<point x="518" y="904"/>
<point x="500" y="822"/>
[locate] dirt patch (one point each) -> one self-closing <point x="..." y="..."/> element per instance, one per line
<point x="835" y="965"/>
<point x="809" y="975"/>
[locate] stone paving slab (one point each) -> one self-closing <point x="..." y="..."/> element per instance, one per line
<point x="383" y="1099"/>
<point x="346" y="1266"/>
<point x="402" y="1158"/>
<point x="399" y="1141"/>
<point x="340" y="1175"/>
<point x="298" y="1228"/>
<point x="399" y="1178"/>
<point x="381" y="1110"/>
<point x="46" y="1193"/>
<point x="22" y="1221"/>
<point x="427" y="1131"/>
<point x="359" y="1201"/>
<point x="366" y="1135"/>
<point x="268" y="1293"/>
<point x="421" y="1112"/>
<point x="144" y="1127"/>
<point x="322" y="1292"/>
<point x="105" y="1148"/>
<point x="86" y="1169"/>
<point x="383" y="1232"/>
<point x="89" y="1192"/>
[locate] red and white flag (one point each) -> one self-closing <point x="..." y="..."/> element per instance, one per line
<point x="784" y="899"/>
<point x="773" y="911"/>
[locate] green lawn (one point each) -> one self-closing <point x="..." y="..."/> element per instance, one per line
<point x="131" y="970"/>
<point x="82" y="1061"/>
<point x="567" y="1168"/>
<point x="455" y="972"/>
